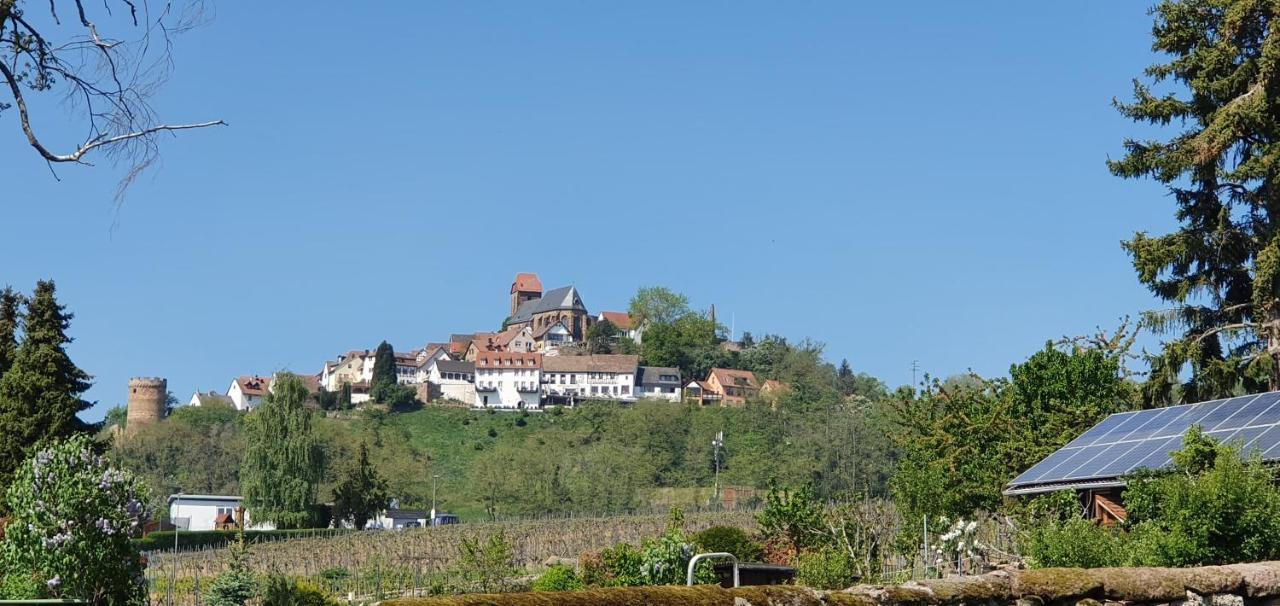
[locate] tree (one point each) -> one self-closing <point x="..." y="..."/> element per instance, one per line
<point x="111" y="77"/>
<point x="601" y="336"/>
<point x="384" y="372"/>
<point x="361" y="493"/>
<point x="1220" y="270"/>
<point x="10" y="316"/>
<point x="344" y="397"/>
<point x="657" y="305"/>
<point x="40" y="394"/>
<point x="282" y="462"/>
<point x="71" y="518"/>
<point x="236" y="585"/>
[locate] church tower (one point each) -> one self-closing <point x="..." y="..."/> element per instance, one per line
<point x="526" y="287"/>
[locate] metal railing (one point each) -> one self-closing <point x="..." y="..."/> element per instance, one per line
<point x="707" y="556"/>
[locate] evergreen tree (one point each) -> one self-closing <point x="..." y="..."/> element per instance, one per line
<point x="282" y="460"/>
<point x="40" y="393"/>
<point x="344" y="397"/>
<point x="361" y="493"/>
<point x="384" y="372"/>
<point x="1220" y="270"/>
<point x="10" y="315"/>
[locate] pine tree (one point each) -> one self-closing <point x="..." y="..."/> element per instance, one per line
<point x="344" y="397"/>
<point x="282" y="461"/>
<point x="361" y="493"/>
<point x="40" y="393"/>
<point x="1220" y="269"/>
<point x="384" y="371"/>
<point x="10" y="316"/>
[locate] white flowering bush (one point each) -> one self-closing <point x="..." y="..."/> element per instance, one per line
<point x="958" y="546"/>
<point x="71" y="517"/>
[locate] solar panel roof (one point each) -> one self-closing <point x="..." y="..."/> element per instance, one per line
<point x="1125" y="442"/>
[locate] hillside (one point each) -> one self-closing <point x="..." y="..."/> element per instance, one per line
<point x="598" y="458"/>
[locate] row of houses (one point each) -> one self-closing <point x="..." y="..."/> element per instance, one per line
<point x="533" y="361"/>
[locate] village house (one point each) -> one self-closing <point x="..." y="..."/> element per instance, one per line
<point x="552" y="337"/>
<point x="426" y="357"/>
<point x="567" y="379"/>
<point x="210" y="512"/>
<point x="658" y="383"/>
<point x="349" y="368"/>
<point x="537" y="310"/>
<point x="727" y="387"/>
<point x="406" y="367"/>
<point x="506" y="379"/>
<point x="481" y="341"/>
<point x="246" y="392"/>
<point x="621" y="319"/>
<point x="211" y="398"/>
<point x="452" y="379"/>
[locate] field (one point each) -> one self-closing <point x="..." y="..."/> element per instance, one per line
<point x="377" y="564"/>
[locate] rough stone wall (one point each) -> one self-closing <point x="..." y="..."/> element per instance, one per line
<point x="146" y="401"/>
<point x="1233" y="585"/>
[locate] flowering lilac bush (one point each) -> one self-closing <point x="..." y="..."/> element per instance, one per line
<point x="68" y="535"/>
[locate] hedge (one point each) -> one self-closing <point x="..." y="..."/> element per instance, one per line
<point x="163" y="540"/>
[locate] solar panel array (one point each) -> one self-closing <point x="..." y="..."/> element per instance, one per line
<point x="1125" y="442"/>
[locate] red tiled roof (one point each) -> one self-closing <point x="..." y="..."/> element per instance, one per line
<point x="526" y="282"/>
<point x="253" y="385"/>
<point x="617" y="318"/>
<point x="508" y="359"/>
<point x="728" y="377"/>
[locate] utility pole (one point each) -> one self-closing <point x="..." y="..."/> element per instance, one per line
<point x="432" y="521"/>
<point x="717" y="443"/>
<point x="915" y="366"/>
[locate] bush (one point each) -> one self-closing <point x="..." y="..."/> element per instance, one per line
<point x="235" y="585"/>
<point x="558" y="578"/>
<point x="1074" y="543"/>
<point x="825" y="568"/>
<point x="68" y="534"/>
<point x="791" y="516"/>
<point x="617" y="566"/>
<point x="484" y="566"/>
<point x="282" y="591"/>
<point x="729" y="539"/>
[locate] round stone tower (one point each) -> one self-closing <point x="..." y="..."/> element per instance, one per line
<point x="146" y="401"/>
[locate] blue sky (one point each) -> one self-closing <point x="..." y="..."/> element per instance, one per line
<point x="902" y="182"/>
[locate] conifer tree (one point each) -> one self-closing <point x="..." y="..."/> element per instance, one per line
<point x="384" y="372"/>
<point x="361" y="493"/>
<point x="1220" y="269"/>
<point x="10" y="316"/>
<point x="282" y="461"/>
<point x="40" y="393"/>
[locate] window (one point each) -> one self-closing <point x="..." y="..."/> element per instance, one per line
<point x="626" y="390"/>
<point x="226" y="510"/>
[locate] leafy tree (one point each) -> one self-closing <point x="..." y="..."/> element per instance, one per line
<point x="344" y="397"/>
<point x="384" y="372"/>
<point x="197" y="450"/>
<point x="282" y="463"/>
<point x="1056" y="395"/>
<point x="71" y="518"/>
<point x="10" y="316"/>
<point x="116" y="416"/>
<point x="40" y="394"/>
<point x="657" y="305"/>
<point x="601" y="336"/>
<point x="1220" y="270"/>
<point x="361" y="493"/>
<point x="689" y="343"/>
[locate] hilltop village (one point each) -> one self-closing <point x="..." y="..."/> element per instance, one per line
<point x="540" y="358"/>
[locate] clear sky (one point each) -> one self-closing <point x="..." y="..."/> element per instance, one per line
<point x="901" y="181"/>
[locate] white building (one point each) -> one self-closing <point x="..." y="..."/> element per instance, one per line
<point x="553" y="335"/>
<point x="453" y="379"/>
<point x="426" y="357"/>
<point x="507" y="379"/>
<point x="246" y="392"/>
<point x="658" y="383"/>
<point x="566" y="379"/>
<point x="201" y="512"/>
<point x="400" y="518"/>
<point x="211" y="398"/>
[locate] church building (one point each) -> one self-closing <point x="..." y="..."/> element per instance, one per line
<point x="540" y="311"/>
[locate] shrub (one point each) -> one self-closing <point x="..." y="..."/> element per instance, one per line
<point x="1073" y="543"/>
<point x="558" y="578"/>
<point x="825" y="568"/>
<point x="729" y="539"/>
<point x="235" y="585"/>
<point x="791" y="515"/>
<point x="68" y="535"/>
<point x="665" y="560"/>
<point x="484" y="566"/>
<point x="283" y="591"/>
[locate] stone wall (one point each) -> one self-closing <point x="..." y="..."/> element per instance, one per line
<point x="1233" y="585"/>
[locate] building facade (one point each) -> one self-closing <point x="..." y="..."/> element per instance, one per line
<point x="658" y="383"/>
<point x="453" y="379"/>
<point x="509" y="380"/>
<point x="203" y="511"/>
<point x="567" y="379"/>
<point x="539" y="310"/>
<point x="246" y="392"/>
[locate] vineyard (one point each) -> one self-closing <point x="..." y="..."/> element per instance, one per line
<point x="376" y="564"/>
